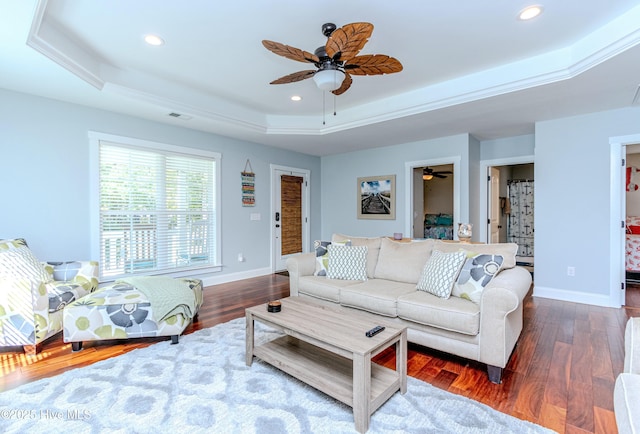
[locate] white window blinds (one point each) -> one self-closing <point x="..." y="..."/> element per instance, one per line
<point x="157" y="211"/>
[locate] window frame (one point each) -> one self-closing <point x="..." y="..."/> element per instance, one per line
<point x="95" y="139"/>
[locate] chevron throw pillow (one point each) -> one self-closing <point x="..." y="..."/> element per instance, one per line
<point x="347" y="262"/>
<point x="440" y="272"/>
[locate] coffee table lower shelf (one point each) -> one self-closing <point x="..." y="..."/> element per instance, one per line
<point x="326" y="371"/>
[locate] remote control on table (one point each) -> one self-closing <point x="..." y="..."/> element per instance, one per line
<point x="374" y="331"/>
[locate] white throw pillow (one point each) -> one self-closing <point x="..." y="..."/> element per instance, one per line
<point x="440" y="272"/>
<point x="347" y="262"/>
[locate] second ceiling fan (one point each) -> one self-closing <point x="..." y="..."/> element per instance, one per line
<point x="338" y="59"/>
<point x="428" y="173"/>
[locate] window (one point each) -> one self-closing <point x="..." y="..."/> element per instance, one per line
<point x="157" y="206"/>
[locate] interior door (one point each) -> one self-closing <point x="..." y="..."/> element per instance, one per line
<point x="494" y="205"/>
<point x="289" y="219"/>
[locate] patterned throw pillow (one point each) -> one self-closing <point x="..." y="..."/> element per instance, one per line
<point x="440" y="272"/>
<point x="322" y="255"/>
<point x="347" y="262"/>
<point x="17" y="261"/>
<point x="476" y="273"/>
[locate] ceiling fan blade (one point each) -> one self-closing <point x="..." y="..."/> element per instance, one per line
<point x="346" y="84"/>
<point x="373" y="64"/>
<point x="292" y="78"/>
<point x="439" y="175"/>
<point x="290" y="52"/>
<point x="347" y="41"/>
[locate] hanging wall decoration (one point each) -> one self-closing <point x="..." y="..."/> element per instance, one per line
<point x="248" y="185"/>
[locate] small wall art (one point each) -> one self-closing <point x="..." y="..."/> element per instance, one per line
<point x="248" y="185"/>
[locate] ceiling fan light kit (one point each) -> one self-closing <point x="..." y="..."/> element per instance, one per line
<point x="338" y="59"/>
<point x="328" y="79"/>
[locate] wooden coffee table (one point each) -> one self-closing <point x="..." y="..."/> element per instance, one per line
<point x="326" y="347"/>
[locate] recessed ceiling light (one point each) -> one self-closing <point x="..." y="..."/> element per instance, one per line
<point x="530" y="12"/>
<point x="296" y="98"/>
<point x="153" y="40"/>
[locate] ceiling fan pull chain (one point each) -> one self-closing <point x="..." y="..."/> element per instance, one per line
<point x="334" y="104"/>
<point x="324" y="109"/>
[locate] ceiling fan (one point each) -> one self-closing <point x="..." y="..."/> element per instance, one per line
<point x="338" y="60"/>
<point x="428" y="173"/>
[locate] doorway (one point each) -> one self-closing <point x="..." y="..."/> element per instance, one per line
<point x="436" y="202"/>
<point x="632" y="225"/>
<point x="415" y="192"/>
<point x="509" y="212"/>
<point x="289" y="216"/>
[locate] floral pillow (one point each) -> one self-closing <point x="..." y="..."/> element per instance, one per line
<point x="322" y="255"/>
<point x="477" y="271"/>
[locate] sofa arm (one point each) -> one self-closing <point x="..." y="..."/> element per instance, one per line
<point x="632" y="346"/>
<point x="302" y="264"/>
<point x="501" y="315"/>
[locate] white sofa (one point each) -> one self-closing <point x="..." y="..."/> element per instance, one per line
<point x="626" y="393"/>
<point x="486" y="331"/>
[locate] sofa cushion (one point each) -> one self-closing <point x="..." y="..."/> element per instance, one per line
<point x="373" y="248"/>
<point x="506" y="250"/>
<point x="476" y="273"/>
<point x="375" y="295"/>
<point x="347" y="262"/>
<point x="440" y="273"/>
<point x="454" y="314"/>
<point x="322" y="255"/>
<point x="323" y="288"/>
<point x="402" y="262"/>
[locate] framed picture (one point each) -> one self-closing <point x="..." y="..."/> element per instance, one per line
<point x="377" y="197"/>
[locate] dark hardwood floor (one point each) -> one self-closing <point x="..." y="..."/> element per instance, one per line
<point x="561" y="374"/>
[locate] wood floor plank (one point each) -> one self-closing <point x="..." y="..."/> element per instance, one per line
<point x="556" y="388"/>
<point x="561" y="373"/>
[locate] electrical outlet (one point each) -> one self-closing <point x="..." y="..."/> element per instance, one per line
<point x="571" y="271"/>
<point x="240" y="257"/>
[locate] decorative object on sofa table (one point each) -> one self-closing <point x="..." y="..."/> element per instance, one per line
<point x="376" y="197"/>
<point x="248" y="185"/>
<point x="465" y="232"/>
<point x="397" y="235"/>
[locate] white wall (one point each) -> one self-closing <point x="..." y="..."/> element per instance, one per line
<point x="44" y="179"/>
<point x="340" y="173"/>
<point x="571" y="209"/>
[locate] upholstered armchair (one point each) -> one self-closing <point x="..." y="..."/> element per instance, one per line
<point x="34" y="294"/>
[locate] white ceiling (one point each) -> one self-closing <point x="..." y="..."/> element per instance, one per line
<point x="469" y="66"/>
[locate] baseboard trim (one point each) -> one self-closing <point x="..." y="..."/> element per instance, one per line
<point x="573" y="296"/>
<point x="232" y="277"/>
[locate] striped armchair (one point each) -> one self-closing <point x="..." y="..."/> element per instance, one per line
<point x="34" y="294"/>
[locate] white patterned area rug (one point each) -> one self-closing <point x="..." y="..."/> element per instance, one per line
<point x="202" y="385"/>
